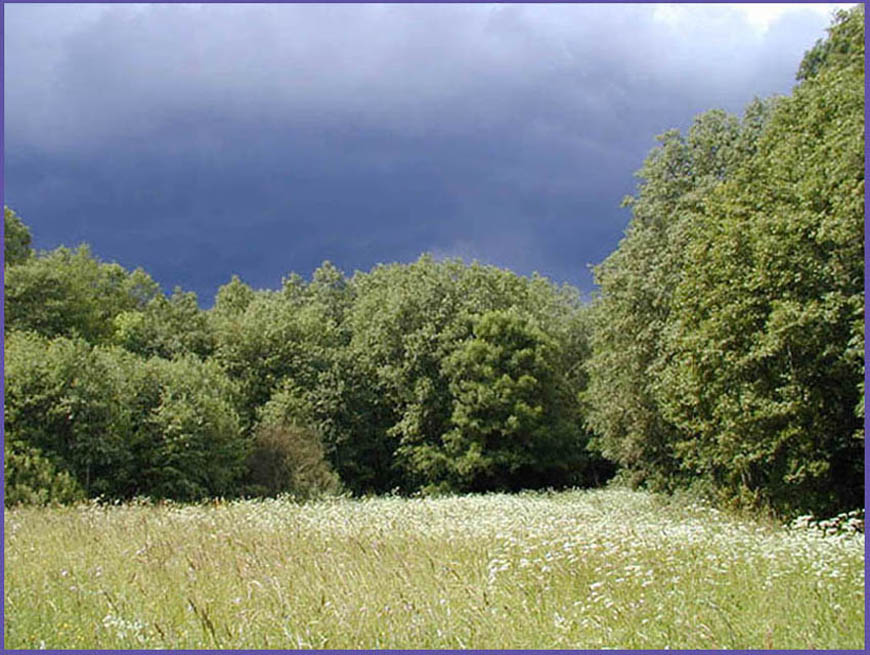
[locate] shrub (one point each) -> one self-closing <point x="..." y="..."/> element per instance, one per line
<point x="119" y="425"/>
<point x="32" y="479"/>
<point x="289" y="459"/>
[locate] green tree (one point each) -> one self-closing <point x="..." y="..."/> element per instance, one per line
<point x="190" y="439"/>
<point x="71" y="293"/>
<point x="16" y="239"/>
<point x="233" y="298"/>
<point x="119" y="425"/>
<point x="841" y="45"/>
<point x="332" y="291"/>
<point x="67" y="401"/>
<point x="515" y="419"/>
<point x="637" y="283"/>
<point x="407" y="321"/>
<point x="345" y="407"/>
<point x="762" y="364"/>
<point x="265" y="338"/>
<point x="166" y="327"/>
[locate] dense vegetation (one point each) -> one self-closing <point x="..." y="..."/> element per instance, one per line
<point x="728" y="340"/>
<point x="725" y="350"/>
<point x="435" y="376"/>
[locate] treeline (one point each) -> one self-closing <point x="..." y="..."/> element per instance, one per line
<point x="433" y="375"/>
<point x="728" y="339"/>
<point x="724" y="351"/>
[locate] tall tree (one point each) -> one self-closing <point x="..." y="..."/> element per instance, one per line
<point x="515" y="419"/>
<point x="637" y="282"/>
<point x="266" y="337"/>
<point x="762" y="364"/>
<point x="408" y="324"/>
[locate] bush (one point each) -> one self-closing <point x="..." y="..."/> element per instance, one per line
<point x="119" y="425"/>
<point x="289" y="459"/>
<point x="32" y="479"/>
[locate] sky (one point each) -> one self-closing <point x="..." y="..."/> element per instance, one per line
<point x="202" y="141"/>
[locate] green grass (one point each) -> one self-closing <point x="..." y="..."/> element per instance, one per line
<point x="607" y="568"/>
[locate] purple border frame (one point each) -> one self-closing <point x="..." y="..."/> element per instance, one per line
<point x="432" y="652"/>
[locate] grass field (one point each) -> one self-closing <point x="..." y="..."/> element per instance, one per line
<point x="591" y="569"/>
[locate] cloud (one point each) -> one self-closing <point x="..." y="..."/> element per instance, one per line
<point x="117" y="70"/>
<point x="203" y="140"/>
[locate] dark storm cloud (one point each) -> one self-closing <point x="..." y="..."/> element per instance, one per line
<point x="201" y="141"/>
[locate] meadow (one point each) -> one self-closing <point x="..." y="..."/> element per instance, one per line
<point x="607" y="568"/>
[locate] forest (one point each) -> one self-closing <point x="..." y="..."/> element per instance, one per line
<point x="723" y="352"/>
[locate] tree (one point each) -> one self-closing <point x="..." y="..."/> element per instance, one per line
<point x="352" y="417"/>
<point x="71" y="293"/>
<point x="233" y="298"/>
<point x="515" y="420"/>
<point x="637" y="282"/>
<point x="263" y="338"/>
<point x="332" y="292"/>
<point x="166" y="327"/>
<point x="408" y="321"/>
<point x="119" y="425"/>
<point x="762" y="364"/>
<point x="841" y="45"/>
<point x="16" y="239"/>
<point x="67" y="402"/>
<point x="191" y="444"/>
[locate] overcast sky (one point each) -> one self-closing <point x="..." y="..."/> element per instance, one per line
<point x="199" y="141"/>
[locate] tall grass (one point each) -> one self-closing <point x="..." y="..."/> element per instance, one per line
<point x="608" y="568"/>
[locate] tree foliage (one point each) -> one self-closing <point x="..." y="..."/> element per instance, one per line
<point x="66" y="399"/>
<point x="728" y="337"/>
<point x="725" y="350"/>
<point x="32" y="479"/>
<point x="166" y="327"/>
<point x="411" y="326"/>
<point x="263" y="338"/>
<point x="637" y="283"/>
<point x="763" y="362"/>
<point x="119" y="425"/>
<point x="515" y="417"/>
<point x="71" y="293"/>
<point x="16" y="239"/>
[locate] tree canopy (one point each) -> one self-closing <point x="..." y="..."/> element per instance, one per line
<point x="724" y="351"/>
<point x="728" y="338"/>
